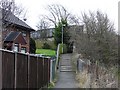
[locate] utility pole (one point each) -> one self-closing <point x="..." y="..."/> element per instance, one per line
<point x="62" y="36"/>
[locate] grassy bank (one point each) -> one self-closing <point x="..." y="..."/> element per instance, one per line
<point x="46" y="52"/>
<point x="39" y="44"/>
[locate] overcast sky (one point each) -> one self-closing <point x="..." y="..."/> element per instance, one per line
<point x="35" y="8"/>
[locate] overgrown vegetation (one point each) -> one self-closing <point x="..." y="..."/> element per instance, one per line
<point x="64" y="48"/>
<point x="82" y="79"/>
<point x="46" y="46"/>
<point x="51" y="85"/>
<point x="98" y="42"/>
<point x="40" y="44"/>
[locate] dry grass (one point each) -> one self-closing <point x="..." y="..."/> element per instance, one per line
<point x="82" y="78"/>
<point x="74" y="61"/>
<point x="106" y="78"/>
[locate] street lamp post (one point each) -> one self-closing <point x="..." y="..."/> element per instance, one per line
<point x="62" y="36"/>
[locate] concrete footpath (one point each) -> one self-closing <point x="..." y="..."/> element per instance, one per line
<point x="66" y="75"/>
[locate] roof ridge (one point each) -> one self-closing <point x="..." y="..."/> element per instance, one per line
<point x="15" y="20"/>
<point x="7" y="35"/>
<point x="17" y="35"/>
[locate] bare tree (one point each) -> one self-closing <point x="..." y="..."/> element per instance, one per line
<point x="43" y="26"/>
<point x="57" y="13"/>
<point x="61" y="18"/>
<point x="98" y="41"/>
<point x="9" y="6"/>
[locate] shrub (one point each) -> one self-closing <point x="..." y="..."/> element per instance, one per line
<point x="32" y="45"/>
<point x="39" y="44"/>
<point x="64" y="48"/>
<point x="46" y="46"/>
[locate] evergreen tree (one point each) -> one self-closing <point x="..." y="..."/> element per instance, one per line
<point x="32" y="46"/>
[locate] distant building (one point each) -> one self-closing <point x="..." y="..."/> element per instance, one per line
<point x="39" y="33"/>
<point x="49" y="32"/>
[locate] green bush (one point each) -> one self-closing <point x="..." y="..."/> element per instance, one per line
<point x="32" y="46"/>
<point x="52" y="45"/>
<point x="46" y="46"/>
<point x="64" y="48"/>
<point x="39" y="44"/>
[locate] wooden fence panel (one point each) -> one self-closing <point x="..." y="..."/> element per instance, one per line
<point x="40" y="72"/>
<point x="8" y="69"/>
<point x="22" y="71"/>
<point x="46" y="71"/>
<point x="33" y="72"/>
<point x="0" y="69"/>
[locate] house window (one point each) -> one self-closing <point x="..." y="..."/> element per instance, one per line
<point x="24" y="33"/>
<point x="23" y="50"/>
<point x="51" y="33"/>
<point x="16" y="47"/>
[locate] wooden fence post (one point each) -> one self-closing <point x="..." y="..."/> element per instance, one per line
<point x="37" y="73"/>
<point x="43" y="73"/>
<point x="15" y="70"/>
<point x="1" y="48"/>
<point x="0" y="70"/>
<point x="51" y="70"/>
<point x="28" y="67"/>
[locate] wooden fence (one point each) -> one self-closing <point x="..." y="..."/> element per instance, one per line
<point x="24" y="70"/>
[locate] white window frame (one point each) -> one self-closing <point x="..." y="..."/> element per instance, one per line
<point x="23" y="50"/>
<point x="16" y="47"/>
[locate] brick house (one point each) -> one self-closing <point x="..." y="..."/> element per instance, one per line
<point x="15" y="33"/>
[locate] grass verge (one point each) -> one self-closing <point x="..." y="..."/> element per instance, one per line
<point x="46" y="52"/>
